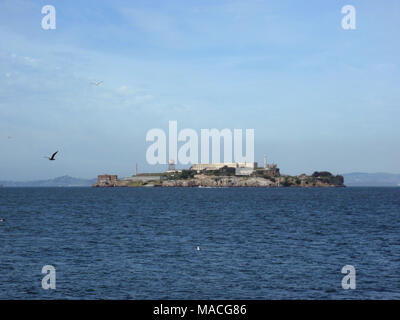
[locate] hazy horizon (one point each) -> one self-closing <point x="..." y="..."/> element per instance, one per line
<point x="94" y="178"/>
<point x="319" y="98"/>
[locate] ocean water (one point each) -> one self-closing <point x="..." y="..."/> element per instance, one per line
<point x="140" y="243"/>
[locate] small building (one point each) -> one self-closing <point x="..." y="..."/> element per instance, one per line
<point x="271" y="171"/>
<point x="107" y="180"/>
<point x="244" y="171"/>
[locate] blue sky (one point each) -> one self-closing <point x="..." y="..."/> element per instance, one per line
<point x="319" y="97"/>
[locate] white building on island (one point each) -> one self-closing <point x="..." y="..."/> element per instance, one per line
<point x="217" y="166"/>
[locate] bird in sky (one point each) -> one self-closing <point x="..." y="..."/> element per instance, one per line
<point x="97" y="83"/>
<point x="9" y="137"/>
<point x="52" y="158"/>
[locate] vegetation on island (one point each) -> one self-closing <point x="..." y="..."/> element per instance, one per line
<point x="226" y="177"/>
<point x="179" y="175"/>
<point x="315" y="180"/>
<point x="323" y="178"/>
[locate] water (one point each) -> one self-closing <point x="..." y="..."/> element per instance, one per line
<point x="140" y="243"/>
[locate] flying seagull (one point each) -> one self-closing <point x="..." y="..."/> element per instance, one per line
<point x="97" y="83"/>
<point x="52" y="157"/>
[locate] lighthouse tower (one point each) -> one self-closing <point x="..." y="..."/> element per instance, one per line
<point x="171" y="165"/>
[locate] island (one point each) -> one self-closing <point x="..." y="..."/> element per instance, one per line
<point x="223" y="175"/>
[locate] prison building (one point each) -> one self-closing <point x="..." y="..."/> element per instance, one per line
<point x="217" y="166"/>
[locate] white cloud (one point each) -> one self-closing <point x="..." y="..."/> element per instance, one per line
<point x="24" y="60"/>
<point x="32" y="62"/>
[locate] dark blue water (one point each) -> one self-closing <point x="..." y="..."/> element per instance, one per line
<point x="141" y="243"/>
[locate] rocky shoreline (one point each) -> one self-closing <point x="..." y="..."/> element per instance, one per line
<point x="318" y="179"/>
<point x="205" y="181"/>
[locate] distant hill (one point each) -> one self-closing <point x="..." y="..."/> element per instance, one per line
<point x="360" y="179"/>
<point x="65" y="181"/>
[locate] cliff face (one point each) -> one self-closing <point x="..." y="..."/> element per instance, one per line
<point x="221" y="181"/>
<point x="234" y="181"/>
<point x="117" y="183"/>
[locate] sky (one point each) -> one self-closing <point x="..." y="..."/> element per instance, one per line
<point x="318" y="97"/>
